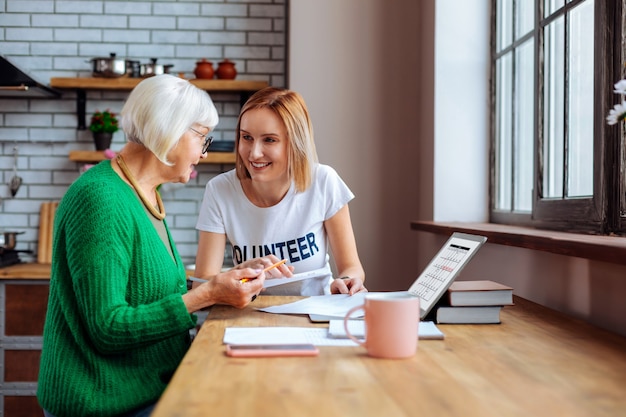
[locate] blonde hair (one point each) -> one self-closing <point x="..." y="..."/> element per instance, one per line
<point x="161" y="108"/>
<point x="290" y="107"/>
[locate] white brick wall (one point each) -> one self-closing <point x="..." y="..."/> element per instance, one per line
<point x="55" y="38"/>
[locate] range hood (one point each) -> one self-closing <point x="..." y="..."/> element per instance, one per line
<point x="17" y="84"/>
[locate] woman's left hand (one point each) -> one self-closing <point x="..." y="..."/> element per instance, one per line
<point x="347" y="286"/>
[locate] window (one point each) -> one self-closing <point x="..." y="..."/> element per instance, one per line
<point x="555" y="162"/>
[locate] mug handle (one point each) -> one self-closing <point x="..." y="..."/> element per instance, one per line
<point x="345" y="324"/>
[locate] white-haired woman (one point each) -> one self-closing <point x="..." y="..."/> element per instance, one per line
<point x="119" y="311"/>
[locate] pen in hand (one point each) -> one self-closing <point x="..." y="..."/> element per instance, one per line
<point x="277" y="264"/>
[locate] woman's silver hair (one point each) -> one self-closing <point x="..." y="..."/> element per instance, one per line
<point x="161" y="108"/>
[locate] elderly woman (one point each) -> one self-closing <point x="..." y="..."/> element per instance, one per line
<point x="119" y="311"/>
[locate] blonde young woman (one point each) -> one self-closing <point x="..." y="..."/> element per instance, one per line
<point x="280" y="203"/>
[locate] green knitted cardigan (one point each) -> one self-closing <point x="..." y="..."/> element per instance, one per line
<point x="116" y="326"/>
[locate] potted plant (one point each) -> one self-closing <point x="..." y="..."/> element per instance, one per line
<point x="103" y="125"/>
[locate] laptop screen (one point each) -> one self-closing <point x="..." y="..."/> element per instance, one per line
<point x="444" y="268"/>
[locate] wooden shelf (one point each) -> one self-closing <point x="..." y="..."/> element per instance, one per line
<point x="245" y="88"/>
<point x="127" y="83"/>
<point x="97" y="156"/>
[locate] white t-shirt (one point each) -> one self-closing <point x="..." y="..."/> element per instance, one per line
<point x="293" y="229"/>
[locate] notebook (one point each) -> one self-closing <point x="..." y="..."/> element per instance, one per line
<point x="443" y="269"/>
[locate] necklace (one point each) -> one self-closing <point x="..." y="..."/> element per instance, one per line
<point x="160" y="214"/>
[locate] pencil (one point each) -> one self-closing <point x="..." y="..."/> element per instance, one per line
<point x="277" y="264"/>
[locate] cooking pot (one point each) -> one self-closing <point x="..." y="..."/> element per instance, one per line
<point x="110" y="67"/>
<point x="8" y="239"/>
<point x="153" y="68"/>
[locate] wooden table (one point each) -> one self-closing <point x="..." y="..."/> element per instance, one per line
<point x="536" y="363"/>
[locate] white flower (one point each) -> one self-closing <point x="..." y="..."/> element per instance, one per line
<point x="620" y="87"/>
<point x="617" y="113"/>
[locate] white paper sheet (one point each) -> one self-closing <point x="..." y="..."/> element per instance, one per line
<point x="330" y="305"/>
<point x="426" y="329"/>
<point x="273" y="282"/>
<point x="282" y="335"/>
<point x="315" y="335"/>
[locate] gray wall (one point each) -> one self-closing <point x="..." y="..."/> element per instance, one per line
<point x="368" y="80"/>
<point x="54" y="38"/>
<point x="375" y="79"/>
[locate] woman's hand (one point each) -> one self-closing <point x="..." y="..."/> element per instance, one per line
<point x="227" y="288"/>
<point x="347" y="286"/>
<point x="265" y="262"/>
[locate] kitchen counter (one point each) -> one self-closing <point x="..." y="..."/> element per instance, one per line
<point x="26" y="271"/>
<point x="33" y="271"/>
<point x="24" y="290"/>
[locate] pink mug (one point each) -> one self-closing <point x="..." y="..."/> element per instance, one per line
<point x="391" y="324"/>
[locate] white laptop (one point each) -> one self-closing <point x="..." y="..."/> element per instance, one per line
<point x="439" y="274"/>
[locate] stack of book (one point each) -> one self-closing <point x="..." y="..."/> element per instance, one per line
<point x="471" y="302"/>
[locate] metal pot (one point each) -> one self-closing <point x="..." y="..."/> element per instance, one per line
<point x="8" y="240"/>
<point x="132" y="68"/>
<point x="109" y="67"/>
<point x="153" y="68"/>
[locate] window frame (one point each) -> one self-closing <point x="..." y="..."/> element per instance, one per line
<point x="601" y="213"/>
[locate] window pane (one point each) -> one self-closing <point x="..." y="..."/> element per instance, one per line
<point x="580" y="98"/>
<point x="554" y="110"/>
<point x="550" y="6"/>
<point x="524" y="126"/>
<point x="524" y="17"/>
<point x="503" y="146"/>
<point x="504" y="23"/>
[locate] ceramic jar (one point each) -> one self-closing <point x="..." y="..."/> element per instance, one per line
<point x="226" y="70"/>
<point x="204" y="69"/>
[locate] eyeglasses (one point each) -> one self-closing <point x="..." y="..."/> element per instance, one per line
<point x="207" y="140"/>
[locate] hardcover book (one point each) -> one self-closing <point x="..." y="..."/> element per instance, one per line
<point x="469" y="315"/>
<point x="479" y="293"/>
